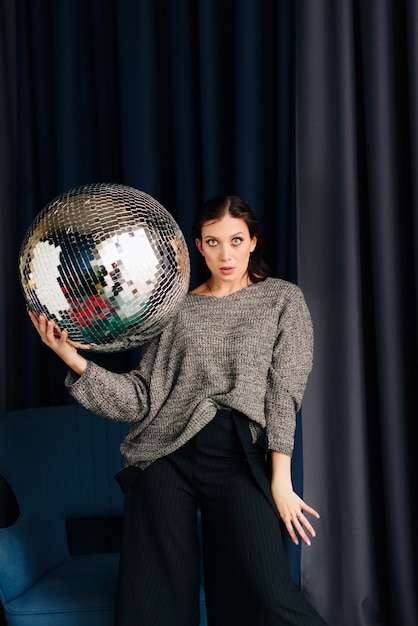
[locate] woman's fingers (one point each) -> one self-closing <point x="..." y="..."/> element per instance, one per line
<point x="298" y="524"/>
<point x="77" y="345"/>
<point x="51" y="334"/>
<point x="302" y="525"/>
<point x="34" y="319"/>
<point x="59" y="343"/>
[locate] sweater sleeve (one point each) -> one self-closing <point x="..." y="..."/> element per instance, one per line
<point x="288" y="374"/>
<point x="121" y="397"/>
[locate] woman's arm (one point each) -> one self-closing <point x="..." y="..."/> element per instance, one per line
<point x="121" y="397"/>
<point x="291" y="507"/>
<point x="289" y="370"/>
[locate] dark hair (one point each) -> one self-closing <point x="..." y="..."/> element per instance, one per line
<point x="221" y="205"/>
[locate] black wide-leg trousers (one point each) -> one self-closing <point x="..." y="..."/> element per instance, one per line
<point x="246" y="573"/>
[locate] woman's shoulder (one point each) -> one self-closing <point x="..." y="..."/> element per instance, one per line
<point x="280" y="286"/>
<point x="283" y="295"/>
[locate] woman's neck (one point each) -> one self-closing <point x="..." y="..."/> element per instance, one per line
<point x="219" y="289"/>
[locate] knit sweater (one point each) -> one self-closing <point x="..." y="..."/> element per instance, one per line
<point x="250" y="351"/>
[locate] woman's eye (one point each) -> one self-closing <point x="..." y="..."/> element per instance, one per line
<point x="211" y="242"/>
<point x="236" y="241"/>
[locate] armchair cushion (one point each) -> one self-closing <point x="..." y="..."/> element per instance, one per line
<point x="79" y="591"/>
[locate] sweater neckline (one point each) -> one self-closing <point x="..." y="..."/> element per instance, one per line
<point x="229" y="295"/>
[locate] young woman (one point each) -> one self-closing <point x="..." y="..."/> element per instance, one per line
<point x="212" y="406"/>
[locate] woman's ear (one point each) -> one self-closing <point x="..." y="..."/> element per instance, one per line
<point x="253" y="244"/>
<point x="199" y="246"/>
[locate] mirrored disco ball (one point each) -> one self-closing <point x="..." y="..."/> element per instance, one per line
<point x="107" y="263"/>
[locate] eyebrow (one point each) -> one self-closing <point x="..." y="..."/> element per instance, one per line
<point x="232" y="236"/>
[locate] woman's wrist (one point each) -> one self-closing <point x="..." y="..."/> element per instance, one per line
<point x="281" y="476"/>
<point x="76" y="363"/>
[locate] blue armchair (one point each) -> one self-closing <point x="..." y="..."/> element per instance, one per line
<point x="59" y="560"/>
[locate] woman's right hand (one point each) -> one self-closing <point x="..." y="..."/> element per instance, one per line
<point x="59" y="342"/>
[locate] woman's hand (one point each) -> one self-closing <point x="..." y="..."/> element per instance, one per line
<point x="59" y="343"/>
<point x="291" y="507"/>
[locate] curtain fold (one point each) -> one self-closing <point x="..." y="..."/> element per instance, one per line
<point x="8" y="297"/>
<point x="356" y="133"/>
<point x="8" y="121"/>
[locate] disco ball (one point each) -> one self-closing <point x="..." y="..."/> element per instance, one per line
<point x="107" y="263"/>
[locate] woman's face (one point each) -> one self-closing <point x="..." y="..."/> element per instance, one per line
<point x="226" y="246"/>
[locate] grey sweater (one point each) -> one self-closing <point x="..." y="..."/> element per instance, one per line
<point x="250" y="351"/>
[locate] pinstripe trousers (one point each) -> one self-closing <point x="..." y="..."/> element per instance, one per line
<point x="246" y="574"/>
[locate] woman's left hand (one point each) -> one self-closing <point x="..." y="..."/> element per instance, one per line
<point x="293" y="512"/>
<point x="292" y="509"/>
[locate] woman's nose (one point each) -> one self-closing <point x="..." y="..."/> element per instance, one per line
<point x="225" y="253"/>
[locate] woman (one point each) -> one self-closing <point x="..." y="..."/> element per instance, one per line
<point x="212" y="406"/>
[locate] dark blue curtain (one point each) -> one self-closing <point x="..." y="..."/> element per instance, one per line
<point x="183" y="99"/>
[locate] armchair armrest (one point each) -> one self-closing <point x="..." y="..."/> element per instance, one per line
<point x="28" y="548"/>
